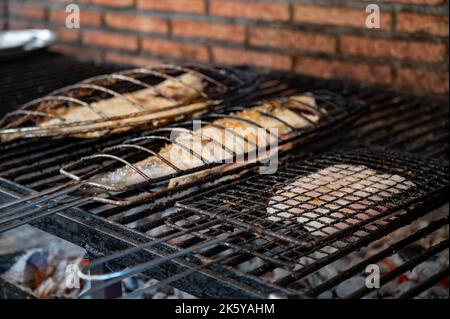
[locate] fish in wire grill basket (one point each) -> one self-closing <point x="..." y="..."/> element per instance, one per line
<point x="160" y="95"/>
<point x="296" y="118"/>
<point x="218" y="141"/>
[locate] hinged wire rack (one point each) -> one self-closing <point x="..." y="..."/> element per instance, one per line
<point x="333" y="112"/>
<point x="45" y="116"/>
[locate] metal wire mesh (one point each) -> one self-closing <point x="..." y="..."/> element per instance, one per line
<point x="311" y="202"/>
<point x="329" y="109"/>
<point x="407" y="123"/>
<point x="35" y="163"/>
<point x="311" y="114"/>
<point x="122" y="100"/>
<point x="298" y="261"/>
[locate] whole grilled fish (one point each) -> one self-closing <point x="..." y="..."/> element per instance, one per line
<point x="120" y="113"/>
<point x="221" y="141"/>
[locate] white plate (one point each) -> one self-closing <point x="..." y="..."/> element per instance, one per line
<point x="21" y="41"/>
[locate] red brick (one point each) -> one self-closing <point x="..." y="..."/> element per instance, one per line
<point x="328" y="15"/>
<point x="184" y="51"/>
<point x="17" y="25"/>
<point x="68" y="35"/>
<point x="86" y="17"/>
<point x="241" y="57"/>
<point x="424" y="2"/>
<point x="250" y="10"/>
<point x="282" y="38"/>
<point x="111" y="40"/>
<point x="27" y="11"/>
<point x="37" y="25"/>
<point x="131" y="60"/>
<point x="57" y="15"/>
<point x="413" y="22"/>
<point x="207" y="30"/>
<point x="136" y="23"/>
<point x="420" y="51"/>
<point x="379" y="74"/>
<point x="188" y="6"/>
<point x="110" y="3"/>
<point x="421" y="81"/>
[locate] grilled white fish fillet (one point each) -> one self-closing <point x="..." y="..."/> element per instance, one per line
<point x="325" y="202"/>
<point x="299" y="116"/>
<point x="131" y="103"/>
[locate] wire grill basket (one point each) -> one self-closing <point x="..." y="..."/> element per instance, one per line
<point x="111" y="103"/>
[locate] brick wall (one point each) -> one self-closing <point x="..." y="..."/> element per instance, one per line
<point x="325" y="38"/>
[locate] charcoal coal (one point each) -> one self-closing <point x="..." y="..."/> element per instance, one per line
<point x="350" y="286"/>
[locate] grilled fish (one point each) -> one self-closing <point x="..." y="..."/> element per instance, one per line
<point x="330" y="200"/>
<point x="120" y="113"/>
<point x="221" y="141"/>
<point x="183" y="89"/>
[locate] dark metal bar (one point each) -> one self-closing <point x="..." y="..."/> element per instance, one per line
<point x="427" y="284"/>
<point x="410" y="264"/>
<point x="118" y="276"/>
<point x="314" y="292"/>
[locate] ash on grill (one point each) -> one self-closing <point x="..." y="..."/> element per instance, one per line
<point x="40" y="265"/>
<point x="36" y="262"/>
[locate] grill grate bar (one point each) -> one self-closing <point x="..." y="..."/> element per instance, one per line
<point x="409" y="265"/>
<point x="344" y="242"/>
<point x="377" y="257"/>
<point x="424" y="286"/>
<point x="413" y="124"/>
<point x="118" y="276"/>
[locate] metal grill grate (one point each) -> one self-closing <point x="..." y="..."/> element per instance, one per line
<point x="35" y="163"/>
<point x="398" y="121"/>
<point x="309" y="203"/>
<point x="21" y="82"/>
<point x="293" y="261"/>
<point x="333" y="113"/>
<point x="409" y="124"/>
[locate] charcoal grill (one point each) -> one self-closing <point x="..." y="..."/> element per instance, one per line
<point x="403" y="122"/>
<point x="233" y="226"/>
<point x="334" y="113"/>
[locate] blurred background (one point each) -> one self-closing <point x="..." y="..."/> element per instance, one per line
<point x="325" y="38"/>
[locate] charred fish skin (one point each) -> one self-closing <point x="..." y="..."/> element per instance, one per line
<point x="282" y="119"/>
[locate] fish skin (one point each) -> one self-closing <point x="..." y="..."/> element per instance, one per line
<point x="117" y="106"/>
<point x="116" y="111"/>
<point x="155" y="168"/>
